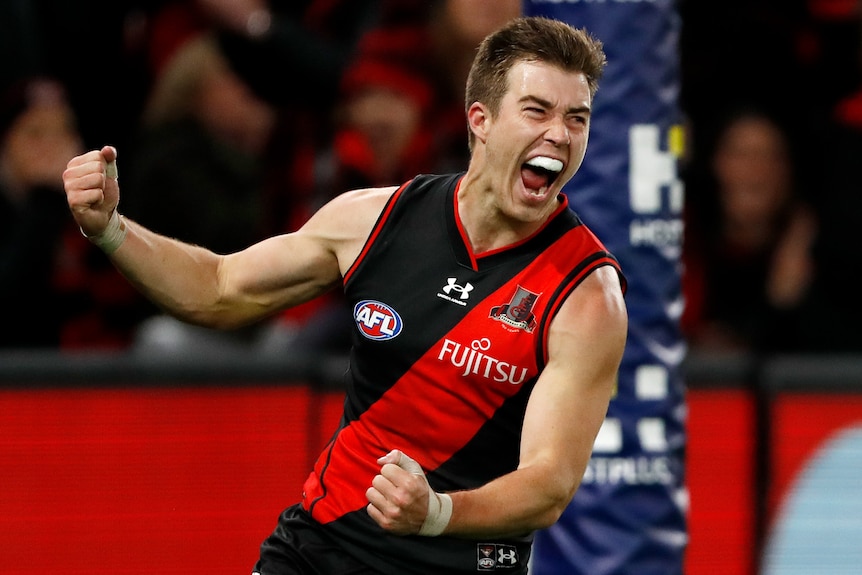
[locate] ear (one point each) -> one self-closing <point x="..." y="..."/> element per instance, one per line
<point x="478" y="119"/>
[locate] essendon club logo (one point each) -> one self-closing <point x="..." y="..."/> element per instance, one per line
<point x="518" y="312"/>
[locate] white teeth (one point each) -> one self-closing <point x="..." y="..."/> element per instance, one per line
<point x="546" y="163"/>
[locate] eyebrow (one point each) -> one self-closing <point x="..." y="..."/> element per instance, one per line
<point x="546" y="104"/>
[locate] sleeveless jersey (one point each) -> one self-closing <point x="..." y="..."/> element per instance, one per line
<point x="447" y="347"/>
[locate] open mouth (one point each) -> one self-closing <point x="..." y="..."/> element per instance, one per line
<point x="540" y="172"/>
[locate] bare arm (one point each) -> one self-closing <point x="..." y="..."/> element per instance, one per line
<point x="199" y="286"/>
<point x="565" y="411"/>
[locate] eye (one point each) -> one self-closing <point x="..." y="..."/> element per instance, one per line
<point x="577" y="120"/>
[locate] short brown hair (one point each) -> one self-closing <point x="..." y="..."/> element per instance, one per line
<point x="531" y="39"/>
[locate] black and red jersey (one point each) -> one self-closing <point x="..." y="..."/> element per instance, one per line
<point x="447" y="347"/>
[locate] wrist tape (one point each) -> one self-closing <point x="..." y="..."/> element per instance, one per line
<point x="112" y="236"/>
<point x="439" y="504"/>
<point x="439" y="513"/>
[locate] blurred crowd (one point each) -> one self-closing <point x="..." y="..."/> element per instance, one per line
<point x="236" y="119"/>
<point x="772" y="90"/>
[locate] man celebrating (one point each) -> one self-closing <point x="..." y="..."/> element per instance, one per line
<point x="490" y="324"/>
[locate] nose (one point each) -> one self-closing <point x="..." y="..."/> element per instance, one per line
<point x="557" y="132"/>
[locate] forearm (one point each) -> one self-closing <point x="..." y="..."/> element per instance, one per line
<point x="199" y="286"/>
<point x="525" y="500"/>
<point x="180" y="278"/>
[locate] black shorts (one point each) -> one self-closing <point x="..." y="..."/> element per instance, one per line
<point x="299" y="546"/>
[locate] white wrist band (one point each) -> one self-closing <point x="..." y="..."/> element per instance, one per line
<point x="439" y="513"/>
<point x="112" y="236"/>
<point x="439" y="504"/>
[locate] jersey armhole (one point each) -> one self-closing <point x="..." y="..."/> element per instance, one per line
<point x="575" y="277"/>
<point x="375" y="231"/>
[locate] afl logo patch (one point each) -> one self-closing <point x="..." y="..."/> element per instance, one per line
<point x="376" y="320"/>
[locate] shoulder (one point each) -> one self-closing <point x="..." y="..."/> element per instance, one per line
<point x="594" y="315"/>
<point x="353" y="208"/>
<point x="345" y="222"/>
<point x="601" y="293"/>
<point x="364" y="206"/>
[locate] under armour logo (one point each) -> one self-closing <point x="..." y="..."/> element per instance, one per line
<point x="463" y="290"/>
<point x="507" y="555"/>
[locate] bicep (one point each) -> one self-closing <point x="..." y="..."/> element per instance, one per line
<point x="277" y="273"/>
<point x="570" y="399"/>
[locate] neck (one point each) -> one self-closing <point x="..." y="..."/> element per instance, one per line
<point x="487" y="224"/>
